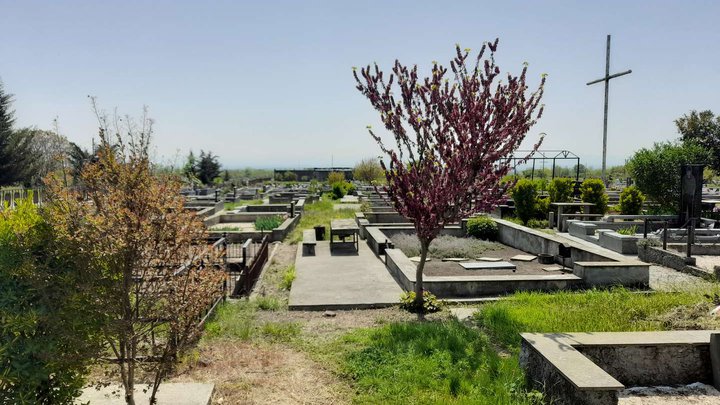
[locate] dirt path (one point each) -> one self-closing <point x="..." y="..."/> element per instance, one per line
<point x="256" y="373"/>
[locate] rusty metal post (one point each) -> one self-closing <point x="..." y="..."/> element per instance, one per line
<point x="689" y="239"/>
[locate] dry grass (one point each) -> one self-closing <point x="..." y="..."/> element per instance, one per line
<point x="252" y="373"/>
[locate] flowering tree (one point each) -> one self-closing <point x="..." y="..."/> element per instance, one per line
<point x="455" y="141"/>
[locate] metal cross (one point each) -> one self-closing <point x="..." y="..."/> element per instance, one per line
<point x="606" y="79"/>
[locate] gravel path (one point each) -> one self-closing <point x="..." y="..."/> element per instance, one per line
<point x="667" y="279"/>
<point x="700" y="394"/>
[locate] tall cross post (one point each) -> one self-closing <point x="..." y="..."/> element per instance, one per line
<point x="606" y="79"/>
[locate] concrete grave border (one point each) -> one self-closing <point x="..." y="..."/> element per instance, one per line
<point x="587" y="368"/>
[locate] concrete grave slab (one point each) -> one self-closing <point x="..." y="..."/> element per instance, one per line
<point x="489" y="259"/>
<point x="462" y="314"/>
<point x="342" y="280"/>
<point x="455" y="259"/>
<point x="523" y="258"/>
<point x="553" y="268"/>
<point x="168" y="394"/>
<point x="487" y="265"/>
<point x="416" y="259"/>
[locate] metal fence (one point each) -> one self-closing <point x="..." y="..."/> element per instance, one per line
<point x="244" y="265"/>
<point x="12" y="196"/>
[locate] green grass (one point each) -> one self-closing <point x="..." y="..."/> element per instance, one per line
<point x="591" y="311"/>
<point x="231" y="206"/>
<point x="268" y="223"/>
<point x="431" y="363"/>
<point x="319" y="213"/>
<point x="268" y="303"/>
<point x="448" y="362"/>
<point x="238" y="320"/>
<point x="280" y="331"/>
<point x="288" y="278"/>
<point x="232" y="320"/>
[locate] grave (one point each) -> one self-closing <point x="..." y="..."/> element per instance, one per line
<point x="487" y="265"/>
<point x="595" y="368"/>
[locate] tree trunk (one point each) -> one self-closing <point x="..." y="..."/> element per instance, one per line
<point x="419" y="299"/>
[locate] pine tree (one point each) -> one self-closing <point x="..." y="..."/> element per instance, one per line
<point x="15" y="148"/>
<point x="208" y="167"/>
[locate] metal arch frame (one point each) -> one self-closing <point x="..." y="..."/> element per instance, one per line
<point x="559" y="154"/>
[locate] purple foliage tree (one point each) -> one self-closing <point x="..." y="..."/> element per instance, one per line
<point x="455" y="138"/>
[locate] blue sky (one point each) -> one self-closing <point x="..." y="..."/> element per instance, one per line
<point x="269" y="84"/>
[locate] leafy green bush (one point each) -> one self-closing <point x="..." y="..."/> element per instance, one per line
<point x="47" y="324"/>
<point x="524" y="194"/>
<point x="482" y="227"/>
<point x="542" y="207"/>
<point x="350" y="188"/>
<point x="561" y="189"/>
<point x="514" y="220"/>
<point x="430" y="303"/>
<point x="336" y="177"/>
<point x="657" y="171"/>
<point x="593" y="191"/>
<point x="631" y="201"/>
<point x="339" y="190"/>
<point x="630" y="230"/>
<point x="538" y="223"/>
<point x="268" y="223"/>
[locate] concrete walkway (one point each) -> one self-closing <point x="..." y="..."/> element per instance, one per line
<point x="168" y="394"/>
<point x="343" y="280"/>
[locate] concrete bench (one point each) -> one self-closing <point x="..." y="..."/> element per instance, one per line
<point x="309" y="242"/>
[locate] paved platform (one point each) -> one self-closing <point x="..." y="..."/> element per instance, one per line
<point x="344" y="280"/>
<point x="168" y="394"/>
<point x="661" y="278"/>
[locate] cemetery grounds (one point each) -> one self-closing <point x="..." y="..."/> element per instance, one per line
<point x="256" y="351"/>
